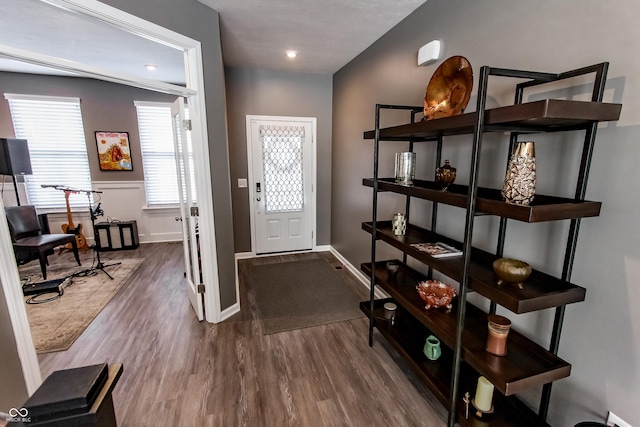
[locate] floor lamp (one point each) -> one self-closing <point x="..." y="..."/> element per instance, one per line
<point x="14" y="160"/>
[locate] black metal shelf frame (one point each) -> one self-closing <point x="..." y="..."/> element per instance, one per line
<point x="533" y="79"/>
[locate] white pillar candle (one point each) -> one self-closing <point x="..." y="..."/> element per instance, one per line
<point x="484" y="394"/>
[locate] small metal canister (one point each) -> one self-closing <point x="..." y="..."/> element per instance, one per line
<point x="405" y="168"/>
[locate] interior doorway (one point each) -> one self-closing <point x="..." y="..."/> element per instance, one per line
<point x="188" y="207"/>
<point x="194" y="91"/>
<point x="282" y="180"/>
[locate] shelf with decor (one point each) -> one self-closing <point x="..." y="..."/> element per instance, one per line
<point x="406" y="336"/>
<point x="540" y="290"/>
<point x="525" y="365"/>
<point x="548" y="115"/>
<point x="490" y="202"/>
<point x="463" y="331"/>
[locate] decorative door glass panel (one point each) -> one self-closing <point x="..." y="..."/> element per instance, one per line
<point x="282" y="168"/>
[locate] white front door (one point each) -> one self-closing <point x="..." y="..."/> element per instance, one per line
<point x="188" y="207"/>
<point x="281" y="182"/>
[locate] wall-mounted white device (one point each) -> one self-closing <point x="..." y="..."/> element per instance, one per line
<point x="429" y="52"/>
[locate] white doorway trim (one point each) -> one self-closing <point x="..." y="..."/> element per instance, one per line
<point x="314" y="173"/>
<point x="15" y="306"/>
<point x="194" y="90"/>
<point x="89" y="71"/>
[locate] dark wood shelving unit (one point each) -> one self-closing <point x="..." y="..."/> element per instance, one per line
<point x="526" y="364"/>
<point x="436" y="374"/>
<point x="405" y="337"/>
<point x="463" y="331"/>
<point x="540" y="291"/>
<point x="489" y="201"/>
<point x="548" y="115"/>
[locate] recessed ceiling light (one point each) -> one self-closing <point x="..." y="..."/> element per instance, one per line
<point x="150" y="67"/>
<point x="292" y="53"/>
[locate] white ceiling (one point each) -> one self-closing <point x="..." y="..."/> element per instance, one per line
<point x="40" y="27"/>
<point x="255" y="33"/>
<point x="326" y="33"/>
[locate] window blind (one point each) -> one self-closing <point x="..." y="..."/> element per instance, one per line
<point x="54" y="131"/>
<point x="158" y="154"/>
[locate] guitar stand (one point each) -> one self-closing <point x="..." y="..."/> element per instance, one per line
<point x="99" y="266"/>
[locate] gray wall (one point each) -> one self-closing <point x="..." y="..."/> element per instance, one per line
<point x="601" y="337"/>
<point x="195" y="20"/>
<point x="272" y="93"/>
<point x="13" y="390"/>
<point x="105" y="106"/>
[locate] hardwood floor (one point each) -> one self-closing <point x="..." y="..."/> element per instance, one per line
<point x="181" y="372"/>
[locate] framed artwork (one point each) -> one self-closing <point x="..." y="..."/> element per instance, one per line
<point x="113" y="151"/>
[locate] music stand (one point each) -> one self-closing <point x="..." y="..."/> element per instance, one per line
<point x="93" y="214"/>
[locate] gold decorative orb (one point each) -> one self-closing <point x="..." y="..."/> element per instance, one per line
<point x="511" y="271"/>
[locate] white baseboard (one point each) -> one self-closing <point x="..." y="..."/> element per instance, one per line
<point x="230" y="311"/>
<point x="235" y="308"/>
<point x="362" y="278"/>
<point x="244" y="255"/>
<point x="322" y="248"/>
<point x="160" y="237"/>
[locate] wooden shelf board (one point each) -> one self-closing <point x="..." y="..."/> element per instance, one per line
<point x="489" y="201"/>
<point x="407" y="337"/>
<point x="525" y="365"/>
<point x="408" y="340"/>
<point x="547" y="115"/>
<point x="540" y="291"/>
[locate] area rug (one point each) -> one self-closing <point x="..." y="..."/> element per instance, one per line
<point x="300" y="294"/>
<point x="55" y="325"/>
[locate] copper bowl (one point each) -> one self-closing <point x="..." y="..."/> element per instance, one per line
<point x="436" y="294"/>
<point x="511" y="271"/>
<point x="449" y="89"/>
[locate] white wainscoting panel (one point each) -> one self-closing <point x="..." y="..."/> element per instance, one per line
<point x="121" y="200"/>
<point x="125" y="201"/>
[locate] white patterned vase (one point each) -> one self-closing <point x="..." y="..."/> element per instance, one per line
<point x="399" y="224"/>
<point x="519" y="186"/>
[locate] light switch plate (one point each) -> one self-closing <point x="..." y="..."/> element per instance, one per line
<point x="242" y="183"/>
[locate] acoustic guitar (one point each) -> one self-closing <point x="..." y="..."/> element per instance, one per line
<point x="70" y="228"/>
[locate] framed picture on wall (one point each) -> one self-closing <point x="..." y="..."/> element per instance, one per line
<point x="113" y="151"/>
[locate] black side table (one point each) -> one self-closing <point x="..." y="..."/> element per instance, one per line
<point x="127" y="230"/>
<point x="132" y="228"/>
<point x="99" y="228"/>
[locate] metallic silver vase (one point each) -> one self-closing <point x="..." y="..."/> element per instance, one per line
<point x="519" y="186"/>
<point x="405" y="168"/>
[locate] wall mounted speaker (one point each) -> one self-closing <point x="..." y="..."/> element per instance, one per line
<point x="429" y="53"/>
<point x="14" y="157"/>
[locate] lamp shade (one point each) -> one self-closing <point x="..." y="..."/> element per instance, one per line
<point x="14" y="157"/>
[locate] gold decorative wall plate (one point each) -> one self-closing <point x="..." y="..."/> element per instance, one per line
<point x="449" y="89"/>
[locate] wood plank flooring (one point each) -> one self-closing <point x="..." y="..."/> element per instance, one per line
<point x="181" y="372"/>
